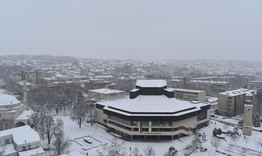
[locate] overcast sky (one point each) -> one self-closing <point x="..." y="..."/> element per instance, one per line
<point x="133" y="29"/>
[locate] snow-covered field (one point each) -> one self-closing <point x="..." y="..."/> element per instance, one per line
<point x="253" y="144"/>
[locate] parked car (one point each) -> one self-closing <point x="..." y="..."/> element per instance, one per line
<point x="88" y="140"/>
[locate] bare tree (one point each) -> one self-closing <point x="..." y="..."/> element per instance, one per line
<point x="60" y="143"/>
<point x="244" y="151"/>
<point x="215" y="142"/>
<point x="80" y="109"/>
<point x="47" y="127"/>
<point x="149" y="151"/>
<point x="112" y="149"/>
<point x="36" y="121"/>
<point x="136" y="152"/>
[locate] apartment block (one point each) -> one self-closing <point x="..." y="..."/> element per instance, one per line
<point x="188" y="94"/>
<point x="232" y="102"/>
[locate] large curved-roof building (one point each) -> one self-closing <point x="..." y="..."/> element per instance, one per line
<point x="151" y="112"/>
<point x="13" y="110"/>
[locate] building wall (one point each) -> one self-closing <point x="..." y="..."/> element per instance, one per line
<point x="247" y="120"/>
<point x="100" y="116"/>
<point x="224" y="106"/>
<point x="101" y="96"/>
<point x="27" y="146"/>
<point x="231" y="105"/>
<point x="255" y="85"/>
<point x="189" y="95"/>
<point x="188" y="123"/>
<point x="11" y="112"/>
<point x="211" y="88"/>
<point x="258" y="102"/>
<point x="180" y="128"/>
<point x="4" y="140"/>
<point x="177" y="83"/>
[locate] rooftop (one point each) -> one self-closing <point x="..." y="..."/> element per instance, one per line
<point x="25" y="115"/>
<point x="6" y="99"/>
<point x="150" y="104"/>
<point x="106" y="91"/>
<point x="188" y="90"/>
<point x="241" y="91"/>
<point x="22" y="135"/>
<point x="151" y="83"/>
<point x="205" y="81"/>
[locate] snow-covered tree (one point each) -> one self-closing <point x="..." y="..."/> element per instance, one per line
<point x="60" y="143"/>
<point x="149" y="151"/>
<point x="112" y="149"/>
<point x="35" y="121"/>
<point x="47" y="127"/>
<point x="215" y="142"/>
<point x="80" y="109"/>
<point x="171" y="151"/>
<point x="135" y="152"/>
<point x="244" y="151"/>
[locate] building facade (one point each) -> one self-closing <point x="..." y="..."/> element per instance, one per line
<point x="105" y="94"/>
<point x="13" y="110"/>
<point x="255" y="85"/>
<point x="258" y="102"/>
<point x="212" y="88"/>
<point x="232" y="102"/>
<point x="247" y="119"/>
<point x="188" y="94"/>
<point x="20" y="141"/>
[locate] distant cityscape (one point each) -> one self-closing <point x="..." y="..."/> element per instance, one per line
<point x="59" y="105"/>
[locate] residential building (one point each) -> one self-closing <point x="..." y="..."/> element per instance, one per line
<point x="189" y="94"/>
<point x="258" y="103"/>
<point x="232" y="102"/>
<point x="20" y="141"/>
<point x="105" y="94"/>
<point x="212" y="88"/>
<point x="255" y="84"/>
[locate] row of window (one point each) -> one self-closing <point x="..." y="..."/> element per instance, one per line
<point x="202" y="115"/>
<point x="122" y="121"/>
<point x="146" y="123"/>
<point x="148" y="129"/>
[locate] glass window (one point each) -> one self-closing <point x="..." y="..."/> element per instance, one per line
<point x="7" y="141"/>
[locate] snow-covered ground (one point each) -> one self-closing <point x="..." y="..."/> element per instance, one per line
<point x="234" y="121"/>
<point x="100" y="136"/>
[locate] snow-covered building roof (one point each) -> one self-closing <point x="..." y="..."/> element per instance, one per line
<point x="6" y="99"/>
<point x="22" y="135"/>
<point x="212" y="82"/>
<point x="188" y="90"/>
<point x="170" y="89"/>
<point x="150" y="104"/>
<point x="106" y="91"/>
<point x="25" y="115"/>
<point x="237" y="92"/>
<point x="151" y="83"/>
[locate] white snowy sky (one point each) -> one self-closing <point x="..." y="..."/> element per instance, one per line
<point x="133" y="29"/>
